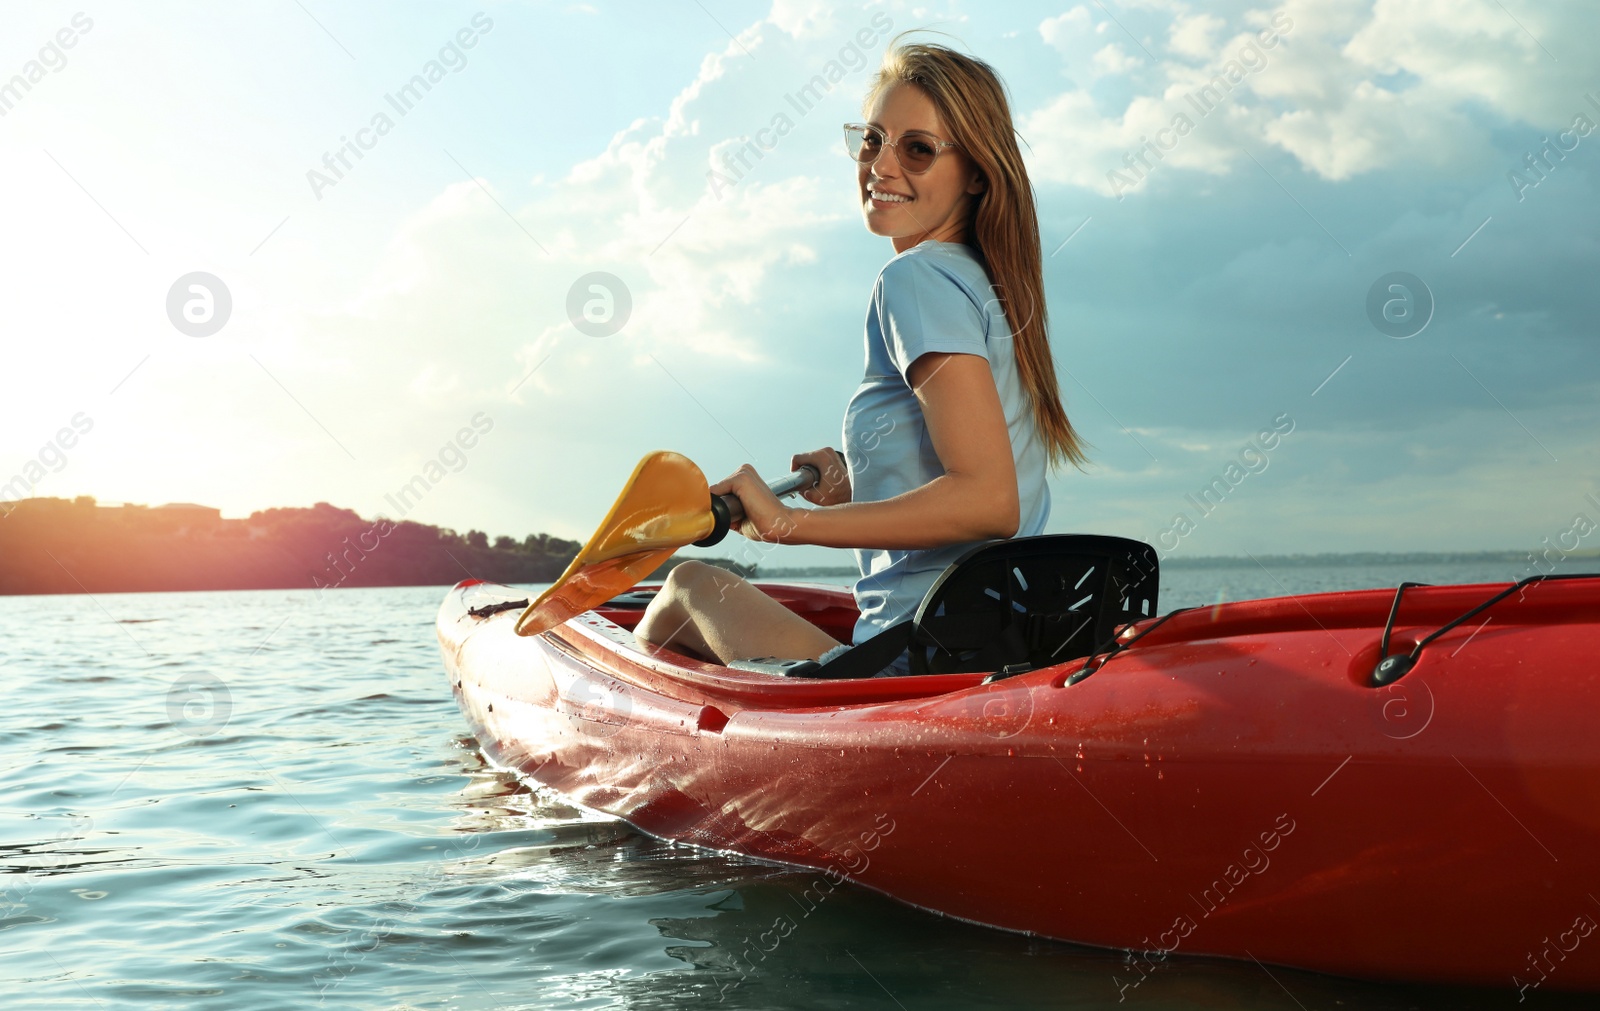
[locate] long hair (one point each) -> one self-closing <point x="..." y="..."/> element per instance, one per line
<point x="1003" y="224"/>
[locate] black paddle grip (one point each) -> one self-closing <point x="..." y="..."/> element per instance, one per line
<point x="727" y="510"/>
<point x="722" y="522"/>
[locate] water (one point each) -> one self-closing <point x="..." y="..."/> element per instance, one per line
<point x="1211" y="585"/>
<point x="266" y="799"/>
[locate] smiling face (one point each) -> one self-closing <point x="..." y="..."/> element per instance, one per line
<point x="910" y="208"/>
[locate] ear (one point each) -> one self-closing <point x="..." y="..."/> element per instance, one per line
<point x="977" y="184"/>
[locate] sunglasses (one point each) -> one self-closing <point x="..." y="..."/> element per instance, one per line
<point x="915" y="151"/>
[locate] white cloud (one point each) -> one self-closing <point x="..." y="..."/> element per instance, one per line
<point x="1346" y="87"/>
<point x="1111" y="59"/>
<point x="805" y="19"/>
<point x="1065" y="30"/>
<point x="1367" y="131"/>
<point x="1471" y="50"/>
<point x="1194" y="36"/>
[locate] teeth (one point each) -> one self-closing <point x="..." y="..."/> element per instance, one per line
<point x="893" y="198"/>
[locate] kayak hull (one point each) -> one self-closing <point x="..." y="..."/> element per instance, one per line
<point x="1229" y="786"/>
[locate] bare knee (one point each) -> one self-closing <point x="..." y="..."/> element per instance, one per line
<point x="688" y="587"/>
<point x="693" y="583"/>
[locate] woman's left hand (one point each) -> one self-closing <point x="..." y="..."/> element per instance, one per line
<point x="765" y="518"/>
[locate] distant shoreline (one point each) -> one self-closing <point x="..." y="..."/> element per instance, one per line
<point x="1366" y="558"/>
<point x="52" y="545"/>
<point x="1341" y="559"/>
<point x="1324" y="560"/>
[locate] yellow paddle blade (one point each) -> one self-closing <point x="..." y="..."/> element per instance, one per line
<point x="664" y="506"/>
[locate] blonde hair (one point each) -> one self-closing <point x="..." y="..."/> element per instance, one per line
<point x="1003" y="224"/>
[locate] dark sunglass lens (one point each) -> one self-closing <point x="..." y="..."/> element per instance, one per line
<point x="917" y="155"/>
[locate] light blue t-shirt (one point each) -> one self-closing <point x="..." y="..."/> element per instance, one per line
<point x="935" y="296"/>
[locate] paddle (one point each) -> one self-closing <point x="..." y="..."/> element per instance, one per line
<point x="665" y="505"/>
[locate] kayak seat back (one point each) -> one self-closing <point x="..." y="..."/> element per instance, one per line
<point x="1038" y="601"/>
<point x="1024" y="603"/>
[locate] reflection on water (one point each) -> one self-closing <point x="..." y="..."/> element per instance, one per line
<point x="263" y="800"/>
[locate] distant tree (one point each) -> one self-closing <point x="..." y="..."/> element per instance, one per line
<point x="412" y="532"/>
<point x="504" y="543"/>
<point x="477" y="539"/>
<point x="737" y="568"/>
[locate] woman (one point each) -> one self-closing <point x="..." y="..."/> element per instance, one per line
<point x="949" y="436"/>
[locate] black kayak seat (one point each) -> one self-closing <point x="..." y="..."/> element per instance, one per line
<point x="1011" y="605"/>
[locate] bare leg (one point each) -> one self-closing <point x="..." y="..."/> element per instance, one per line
<point x="719" y="615"/>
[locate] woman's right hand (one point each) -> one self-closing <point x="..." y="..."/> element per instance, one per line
<point x="834" y="486"/>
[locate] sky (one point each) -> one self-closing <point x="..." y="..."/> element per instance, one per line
<point x="384" y="268"/>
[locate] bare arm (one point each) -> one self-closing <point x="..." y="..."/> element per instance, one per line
<point x="974" y="499"/>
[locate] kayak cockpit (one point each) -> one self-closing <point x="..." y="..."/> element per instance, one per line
<point x="599" y="638"/>
<point x="1007" y="606"/>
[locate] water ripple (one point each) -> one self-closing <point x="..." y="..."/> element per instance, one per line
<point x="266" y="800"/>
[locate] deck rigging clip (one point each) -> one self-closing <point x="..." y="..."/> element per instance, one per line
<point x="1395" y="666"/>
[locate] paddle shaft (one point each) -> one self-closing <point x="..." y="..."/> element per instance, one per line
<point x="728" y="510"/>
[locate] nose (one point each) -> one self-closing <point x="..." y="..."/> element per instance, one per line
<point x="882" y="169"/>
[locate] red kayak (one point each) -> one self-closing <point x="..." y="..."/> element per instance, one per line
<point x="1240" y="780"/>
